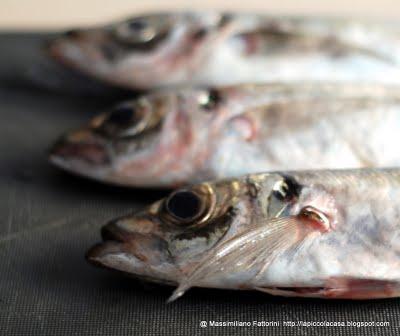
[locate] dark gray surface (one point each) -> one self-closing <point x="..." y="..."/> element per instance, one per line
<point x="48" y="219"/>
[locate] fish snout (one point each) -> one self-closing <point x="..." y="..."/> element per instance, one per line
<point x="143" y="254"/>
<point x="78" y="48"/>
<point x="79" y="151"/>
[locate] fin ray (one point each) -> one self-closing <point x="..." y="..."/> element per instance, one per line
<point x="255" y="247"/>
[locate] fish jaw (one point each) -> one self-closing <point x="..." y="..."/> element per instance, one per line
<point x="82" y="153"/>
<point x="141" y="255"/>
<point x="79" y="49"/>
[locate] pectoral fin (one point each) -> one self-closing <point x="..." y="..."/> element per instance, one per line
<point x="253" y="248"/>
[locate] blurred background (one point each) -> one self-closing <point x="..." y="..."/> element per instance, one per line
<point x="48" y="14"/>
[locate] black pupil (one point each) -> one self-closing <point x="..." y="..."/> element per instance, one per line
<point x="136" y="25"/>
<point x="214" y="98"/>
<point x="184" y="205"/>
<point x="121" y="116"/>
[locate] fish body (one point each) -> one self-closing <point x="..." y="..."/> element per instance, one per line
<point x="328" y="234"/>
<point x="174" y="137"/>
<point x="211" y="48"/>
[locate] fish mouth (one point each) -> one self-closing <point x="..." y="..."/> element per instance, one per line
<point x="142" y="255"/>
<point x="81" y="153"/>
<point x="77" y="49"/>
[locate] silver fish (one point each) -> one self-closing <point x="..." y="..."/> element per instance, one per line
<point x="211" y="48"/>
<point x="328" y="234"/>
<point x="175" y="137"/>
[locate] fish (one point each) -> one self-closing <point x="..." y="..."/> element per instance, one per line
<point x="172" y="137"/>
<point x="331" y="234"/>
<point x="166" y="49"/>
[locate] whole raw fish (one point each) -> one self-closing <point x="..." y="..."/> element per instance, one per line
<point x="174" y="137"/>
<point x="211" y="48"/>
<point x="328" y="234"/>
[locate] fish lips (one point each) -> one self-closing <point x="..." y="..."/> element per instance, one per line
<point x="78" y="49"/>
<point x="82" y="153"/>
<point x="143" y="255"/>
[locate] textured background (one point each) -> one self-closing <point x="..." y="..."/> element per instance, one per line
<point x="48" y="219"/>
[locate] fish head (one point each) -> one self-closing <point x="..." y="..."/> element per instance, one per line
<point x="158" y="140"/>
<point x="144" y="51"/>
<point x="164" y="241"/>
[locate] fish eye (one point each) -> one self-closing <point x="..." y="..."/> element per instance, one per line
<point x="123" y="121"/>
<point x="140" y="30"/>
<point x="137" y="25"/>
<point x="184" y="205"/>
<point x="190" y="207"/>
<point x="208" y="100"/>
<point x="121" y="115"/>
